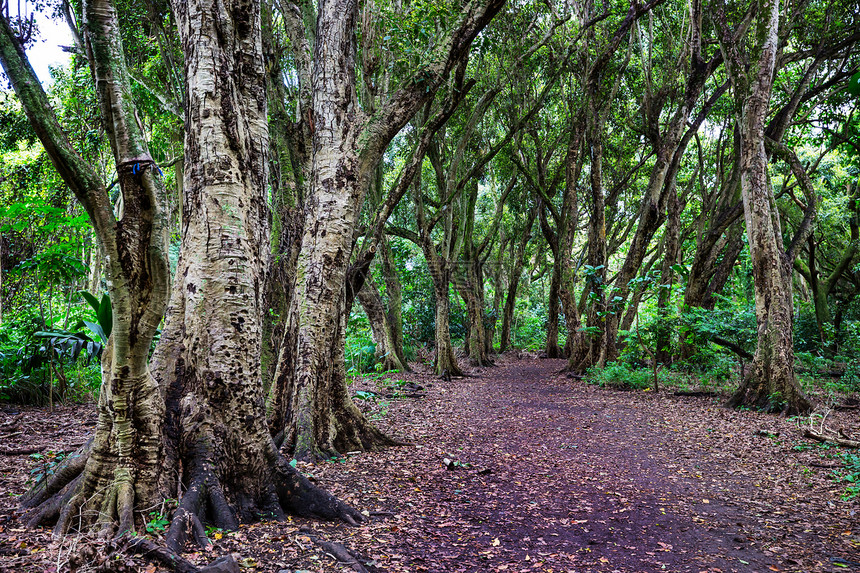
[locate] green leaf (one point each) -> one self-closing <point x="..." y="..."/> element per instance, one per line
<point x="92" y="300"/>
<point x="365" y="395"/>
<point x="854" y="85"/>
<point x="105" y="316"/>
<point x="97" y="330"/>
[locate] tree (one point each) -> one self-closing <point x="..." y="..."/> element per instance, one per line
<point x="772" y="385"/>
<point x="600" y="83"/>
<point x="207" y="406"/>
<point x="209" y="356"/>
<point x="348" y="144"/>
<point x="121" y="463"/>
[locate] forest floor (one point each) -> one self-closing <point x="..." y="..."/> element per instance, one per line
<point x="519" y="468"/>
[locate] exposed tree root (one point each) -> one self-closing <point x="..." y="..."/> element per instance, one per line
<point x="204" y="496"/>
<point x="357" y="433"/>
<point x="153" y="552"/>
<point x="336" y="550"/>
<point x="68" y="470"/>
<point x="752" y="396"/>
<point x="485" y="362"/>
<point x="297" y="494"/>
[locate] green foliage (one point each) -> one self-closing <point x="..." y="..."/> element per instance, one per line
<point x="360" y="351"/>
<point x="65" y="345"/>
<point x="849" y="474"/>
<point x="848" y="383"/>
<point x="46" y="465"/>
<point x="851" y="379"/>
<point x="104" y="315"/>
<point x="621" y="376"/>
<point x="35" y="363"/>
<point x="854" y="85"/>
<point x="157" y="524"/>
<point x="365" y="395"/>
<point x="733" y="321"/>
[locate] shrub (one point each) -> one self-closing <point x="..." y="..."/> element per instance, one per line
<point x="620" y="375"/>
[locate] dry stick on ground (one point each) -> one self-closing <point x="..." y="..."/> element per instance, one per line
<point x="13" y="423"/>
<point x="826" y="435"/>
<point x="22" y="451"/>
<point x="824" y="438"/>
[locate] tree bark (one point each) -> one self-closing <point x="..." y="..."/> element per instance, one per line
<point x="445" y="364"/>
<point x="119" y="470"/>
<point x="209" y="357"/>
<point x="551" y="348"/>
<point x="667" y="278"/>
<point x="394" y="311"/>
<point x="382" y="330"/>
<point x="771" y="385"/>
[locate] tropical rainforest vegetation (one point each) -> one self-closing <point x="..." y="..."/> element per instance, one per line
<point x="217" y="214"/>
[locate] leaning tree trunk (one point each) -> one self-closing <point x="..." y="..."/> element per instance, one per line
<point x="119" y="470"/>
<point x="772" y="385"/>
<point x="394" y="293"/>
<point x="380" y="328"/>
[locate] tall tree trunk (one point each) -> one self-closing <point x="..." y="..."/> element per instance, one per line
<point x="498" y="297"/>
<point x="471" y="289"/>
<point x="445" y="364"/>
<point x="510" y="305"/>
<point x="119" y="470"/>
<point x="514" y="279"/>
<point x="771" y="385"/>
<point x="591" y="349"/>
<point x="567" y="232"/>
<point x="209" y="358"/>
<point x="551" y="348"/>
<point x="347" y="146"/>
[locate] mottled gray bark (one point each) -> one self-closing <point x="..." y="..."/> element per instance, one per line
<point x="118" y="471"/>
<point x="209" y="358"/>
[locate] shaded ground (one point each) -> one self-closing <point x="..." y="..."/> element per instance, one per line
<point x="519" y="469"/>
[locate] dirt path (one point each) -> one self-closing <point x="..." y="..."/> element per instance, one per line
<point x="564" y="476"/>
<point x="549" y="474"/>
